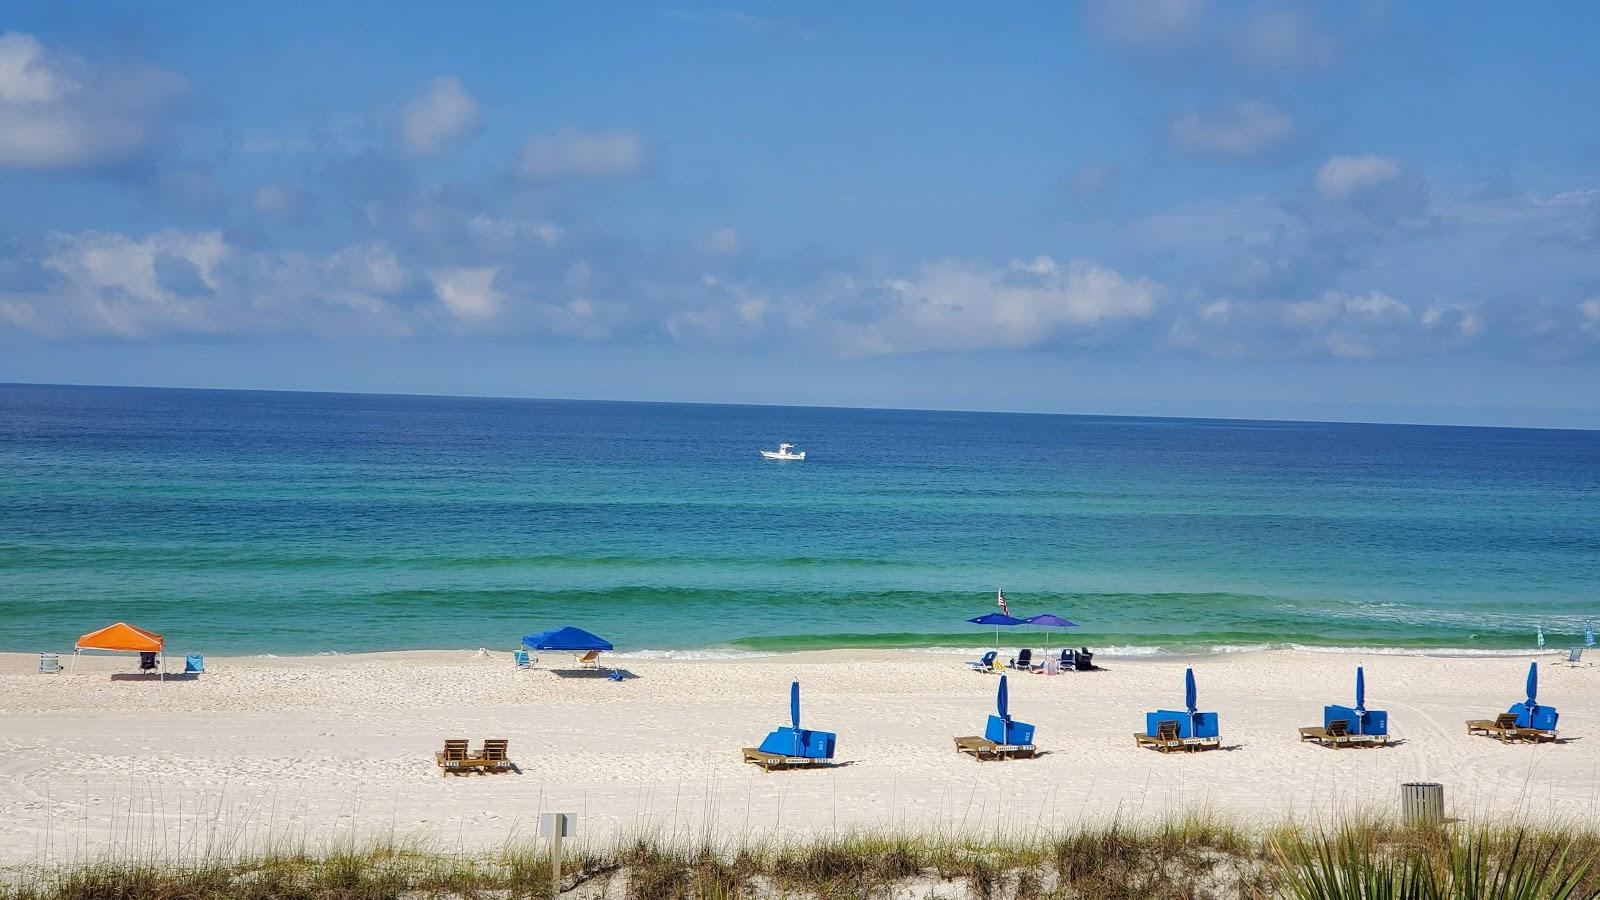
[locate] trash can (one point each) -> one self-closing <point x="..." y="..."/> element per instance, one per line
<point x="1422" y="803"/>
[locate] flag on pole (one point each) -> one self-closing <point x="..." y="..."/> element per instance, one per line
<point x="1000" y="598"/>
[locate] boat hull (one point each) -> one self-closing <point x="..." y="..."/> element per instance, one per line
<point x="769" y="454"/>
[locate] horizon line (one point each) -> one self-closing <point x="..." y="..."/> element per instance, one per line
<point x="1001" y="412"/>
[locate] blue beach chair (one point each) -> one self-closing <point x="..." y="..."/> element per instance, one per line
<point x="793" y="747"/>
<point x="1003" y="737"/>
<point x="983" y="664"/>
<point x="194" y="664"/>
<point x="1351" y="725"/>
<point x="1167" y="729"/>
<point x="1526" y="721"/>
<point x="521" y="658"/>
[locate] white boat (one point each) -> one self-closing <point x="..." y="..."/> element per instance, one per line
<point x="784" y="451"/>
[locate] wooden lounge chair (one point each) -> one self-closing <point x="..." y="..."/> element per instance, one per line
<point x="770" y="761"/>
<point x="1166" y="737"/>
<point x="982" y="748"/>
<point x="1335" y="734"/>
<point x="493" y="756"/>
<point x="453" y="758"/>
<point x="1503" y="726"/>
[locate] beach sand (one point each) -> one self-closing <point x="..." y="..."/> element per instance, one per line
<point x="319" y="750"/>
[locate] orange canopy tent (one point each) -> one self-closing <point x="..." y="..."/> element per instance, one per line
<point x="125" y="638"/>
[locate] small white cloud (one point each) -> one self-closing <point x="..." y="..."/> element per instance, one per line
<point x="1589" y="311"/>
<point x="1091" y="180"/>
<point x="276" y="201"/>
<point x="469" y="294"/>
<point x="507" y="231"/>
<point x="1148" y="23"/>
<point x="573" y="154"/>
<point x="1343" y="177"/>
<point x="722" y="242"/>
<point x="954" y="306"/>
<point x="1246" y="128"/>
<point x="1282" y="37"/>
<point x="443" y="116"/>
<point x="59" y="112"/>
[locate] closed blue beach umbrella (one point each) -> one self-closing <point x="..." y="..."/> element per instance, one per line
<point x="794" y="704"/>
<point x="1588" y="634"/>
<point x="1361" y="692"/>
<point x="1533" y="683"/>
<point x="1189" y="692"/>
<point x="1001" y="701"/>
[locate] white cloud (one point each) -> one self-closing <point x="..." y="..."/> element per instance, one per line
<point x="507" y="231"/>
<point x="572" y="154"/>
<point x="443" y="116"/>
<point x="469" y="294"/>
<point x="722" y="242"/>
<point x="1281" y="37"/>
<point x="274" y="200"/>
<point x="58" y="112"/>
<point x="1148" y="23"/>
<point x="1343" y="177"/>
<point x="955" y="306"/>
<point x="1244" y="129"/>
<point x="1348" y="325"/>
<point x="102" y="284"/>
<point x="1589" y="311"/>
<point x="1092" y="179"/>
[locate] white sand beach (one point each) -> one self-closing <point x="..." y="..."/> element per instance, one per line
<point x="322" y="749"/>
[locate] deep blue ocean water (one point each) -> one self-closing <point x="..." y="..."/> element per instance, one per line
<point x="255" y="522"/>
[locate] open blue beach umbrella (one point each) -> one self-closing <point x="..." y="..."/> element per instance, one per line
<point x="1533" y="683"/>
<point x="1361" y="692"/>
<point x="996" y="619"/>
<point x="1002" y="701"/>
<point x="1049" y="620"/>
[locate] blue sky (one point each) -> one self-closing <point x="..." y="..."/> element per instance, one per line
<point x="1178" y="207"/>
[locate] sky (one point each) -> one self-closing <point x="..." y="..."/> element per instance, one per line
<point x="1359" y="210"/>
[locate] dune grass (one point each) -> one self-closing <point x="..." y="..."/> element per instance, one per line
<point x="1190" y="859"/>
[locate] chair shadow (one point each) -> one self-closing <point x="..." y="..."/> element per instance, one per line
<point x="151" y="676"/>
<point x="604" y="674"/>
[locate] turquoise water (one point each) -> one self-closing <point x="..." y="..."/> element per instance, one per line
<point x="251" y="522"/>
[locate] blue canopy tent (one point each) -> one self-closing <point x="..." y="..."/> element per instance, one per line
<point x="996" y="619"/>
<point x="795" y="742"/>
<point x="1049" y="620"/>
<point x="1358" y="719"/>
<point x="565" y="638"/>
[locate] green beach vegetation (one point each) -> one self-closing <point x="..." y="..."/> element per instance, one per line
<point x="1191" y="859"/>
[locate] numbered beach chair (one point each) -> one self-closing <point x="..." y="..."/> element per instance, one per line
<point x="1354" y="726"/>
<point x="793" y="747"/>
<point x="1525" y="721"/>
<point x="1003" y="737"/>
<point x="1191" y="729"/>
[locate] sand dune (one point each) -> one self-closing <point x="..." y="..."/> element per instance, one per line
<point x="324" y="748"/>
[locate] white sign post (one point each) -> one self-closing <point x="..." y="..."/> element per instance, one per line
<point x="556" y="826"/>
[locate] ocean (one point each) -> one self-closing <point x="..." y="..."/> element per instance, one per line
<point x="240" y="522"/>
